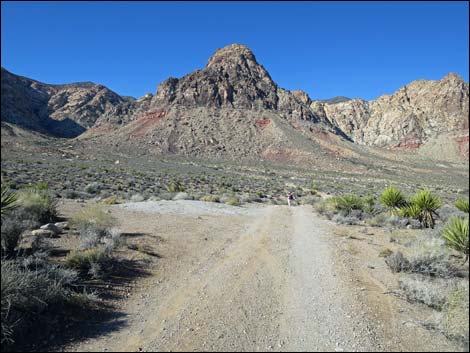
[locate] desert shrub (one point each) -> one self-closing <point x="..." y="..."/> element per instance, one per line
<point x="93" y="187"/>
<point x="85" y="260"/>
<point x="369" y="203"/>
<point x="347" y="203"/>
<point x="308" y="200"/>
<point x="397" y="262"/>
<point x="430" y="291"/>
<point x="166" y="196"/>
<point x="233" y="201"/>
<point x="183" y="196"/>
<point x="326" y="207"/>
<point x="379" y="220"/>
<point x="456" y="235"/>
<point x="392" y="198"/>
<point x="427" y="205"/>
<point x="137" y="198"/>
<point x="39" y="202"/>
<point x="429" y="256"/>
<point x="72" y="194"/>
<point x="11" y="233"/>
<point x="93" y="217"/>
<point x="175" y="186"/>
<point x="345" y="220"/>
<point x="462" y="205"/>
<point x="210" y="198"/>
<point x="455" y="323"/>
<point x="111" y="200"/>
<point x="385" y="252"/>
<point x="28" y="287"/>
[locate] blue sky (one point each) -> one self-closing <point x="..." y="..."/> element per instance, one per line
<point x="361" y="49"/>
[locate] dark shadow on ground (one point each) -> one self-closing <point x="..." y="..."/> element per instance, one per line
<point x="71" y="323"/>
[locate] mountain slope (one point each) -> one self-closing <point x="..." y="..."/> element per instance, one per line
<point x="58" y="110"/>
<point x="416" y="114"/>
<point x="232" y="108"/>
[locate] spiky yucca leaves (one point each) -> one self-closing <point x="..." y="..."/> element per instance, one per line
<point x="462" y="205"/>
<point x="410" y="210"/>
<point x="8" y="200"/>
<point x="347" y="203"/>
<point x="456" y="235"/>
<point x="428" y="205"/>
<point x="393" y="199"/>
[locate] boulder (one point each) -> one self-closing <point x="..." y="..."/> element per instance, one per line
<point x="45" y="233"/>
<point x="52" y="227"/>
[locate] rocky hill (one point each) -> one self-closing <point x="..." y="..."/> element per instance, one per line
<point x="232" y="108"/>
<point x="414" y="115"/>
<point x="59" y="110"/>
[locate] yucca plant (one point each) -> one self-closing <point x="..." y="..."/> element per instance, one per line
<point x="8" y="200"/>
<point x="428" y="205"/>
<point x="462" y="205"/>
<point x="393" y="199"/>
<point x="410" y="210"/>
<point x="347" y="203"/>
<point x="456" y="235"/>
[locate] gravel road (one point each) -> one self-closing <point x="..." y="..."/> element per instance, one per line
<point x="238" y="279"/>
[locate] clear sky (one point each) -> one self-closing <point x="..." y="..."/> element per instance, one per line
<point x="327" y="49"/>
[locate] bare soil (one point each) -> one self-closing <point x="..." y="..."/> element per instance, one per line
<point x="255" y="279"/>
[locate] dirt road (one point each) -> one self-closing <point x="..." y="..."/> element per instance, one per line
<point x="265" y="279"/>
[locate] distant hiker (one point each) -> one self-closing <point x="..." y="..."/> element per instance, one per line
<point x="290" y="197"/>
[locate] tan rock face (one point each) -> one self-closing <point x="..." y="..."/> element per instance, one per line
<point x="409" y="117"/>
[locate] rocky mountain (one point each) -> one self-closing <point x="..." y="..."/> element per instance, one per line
<point x="59" y="110"/>
<point x="233" y="108"/>
<point x="409" y="118"/>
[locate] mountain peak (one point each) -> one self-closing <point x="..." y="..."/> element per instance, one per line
<point x="234" y="52"/>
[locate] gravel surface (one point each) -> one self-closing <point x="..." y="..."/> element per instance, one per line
<point x="189" y="207"/>
<point x="245" y="279"/>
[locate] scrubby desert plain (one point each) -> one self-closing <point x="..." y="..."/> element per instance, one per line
<point x="136" y="235"/>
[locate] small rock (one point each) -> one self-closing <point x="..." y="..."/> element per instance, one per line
<point x="43" y="233"/>
<point x="62" y="225"/>
<point x="52" y="227"/>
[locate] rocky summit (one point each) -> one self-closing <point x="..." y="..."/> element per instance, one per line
<point x="232" y="108"/>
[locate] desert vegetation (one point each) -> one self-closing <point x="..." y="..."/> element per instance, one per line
<point x="36" y="285"/>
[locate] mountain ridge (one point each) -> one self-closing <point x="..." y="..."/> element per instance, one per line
<point x="233" y="85"/>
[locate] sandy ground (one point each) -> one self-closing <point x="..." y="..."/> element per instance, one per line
<point x="271" y="278"/>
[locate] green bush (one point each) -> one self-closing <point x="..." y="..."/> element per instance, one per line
<point x="456" y="235"/>
<point x="175" y="186"/>
<point x="111" y="200"/>
<point x="462" y="205"/>
<point x="83" y="261"/>
<point x="93" y="217"/>
<point x="393" y="199"/>
<point x="347" y="203"/>
<point x="210" y="198"/>
<point x="410" y="211"/>
<point x="428" y="204"/>
<point x="39" y="201"/>
<point x="369" y="203"/>
<point x="233" y="201"/>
